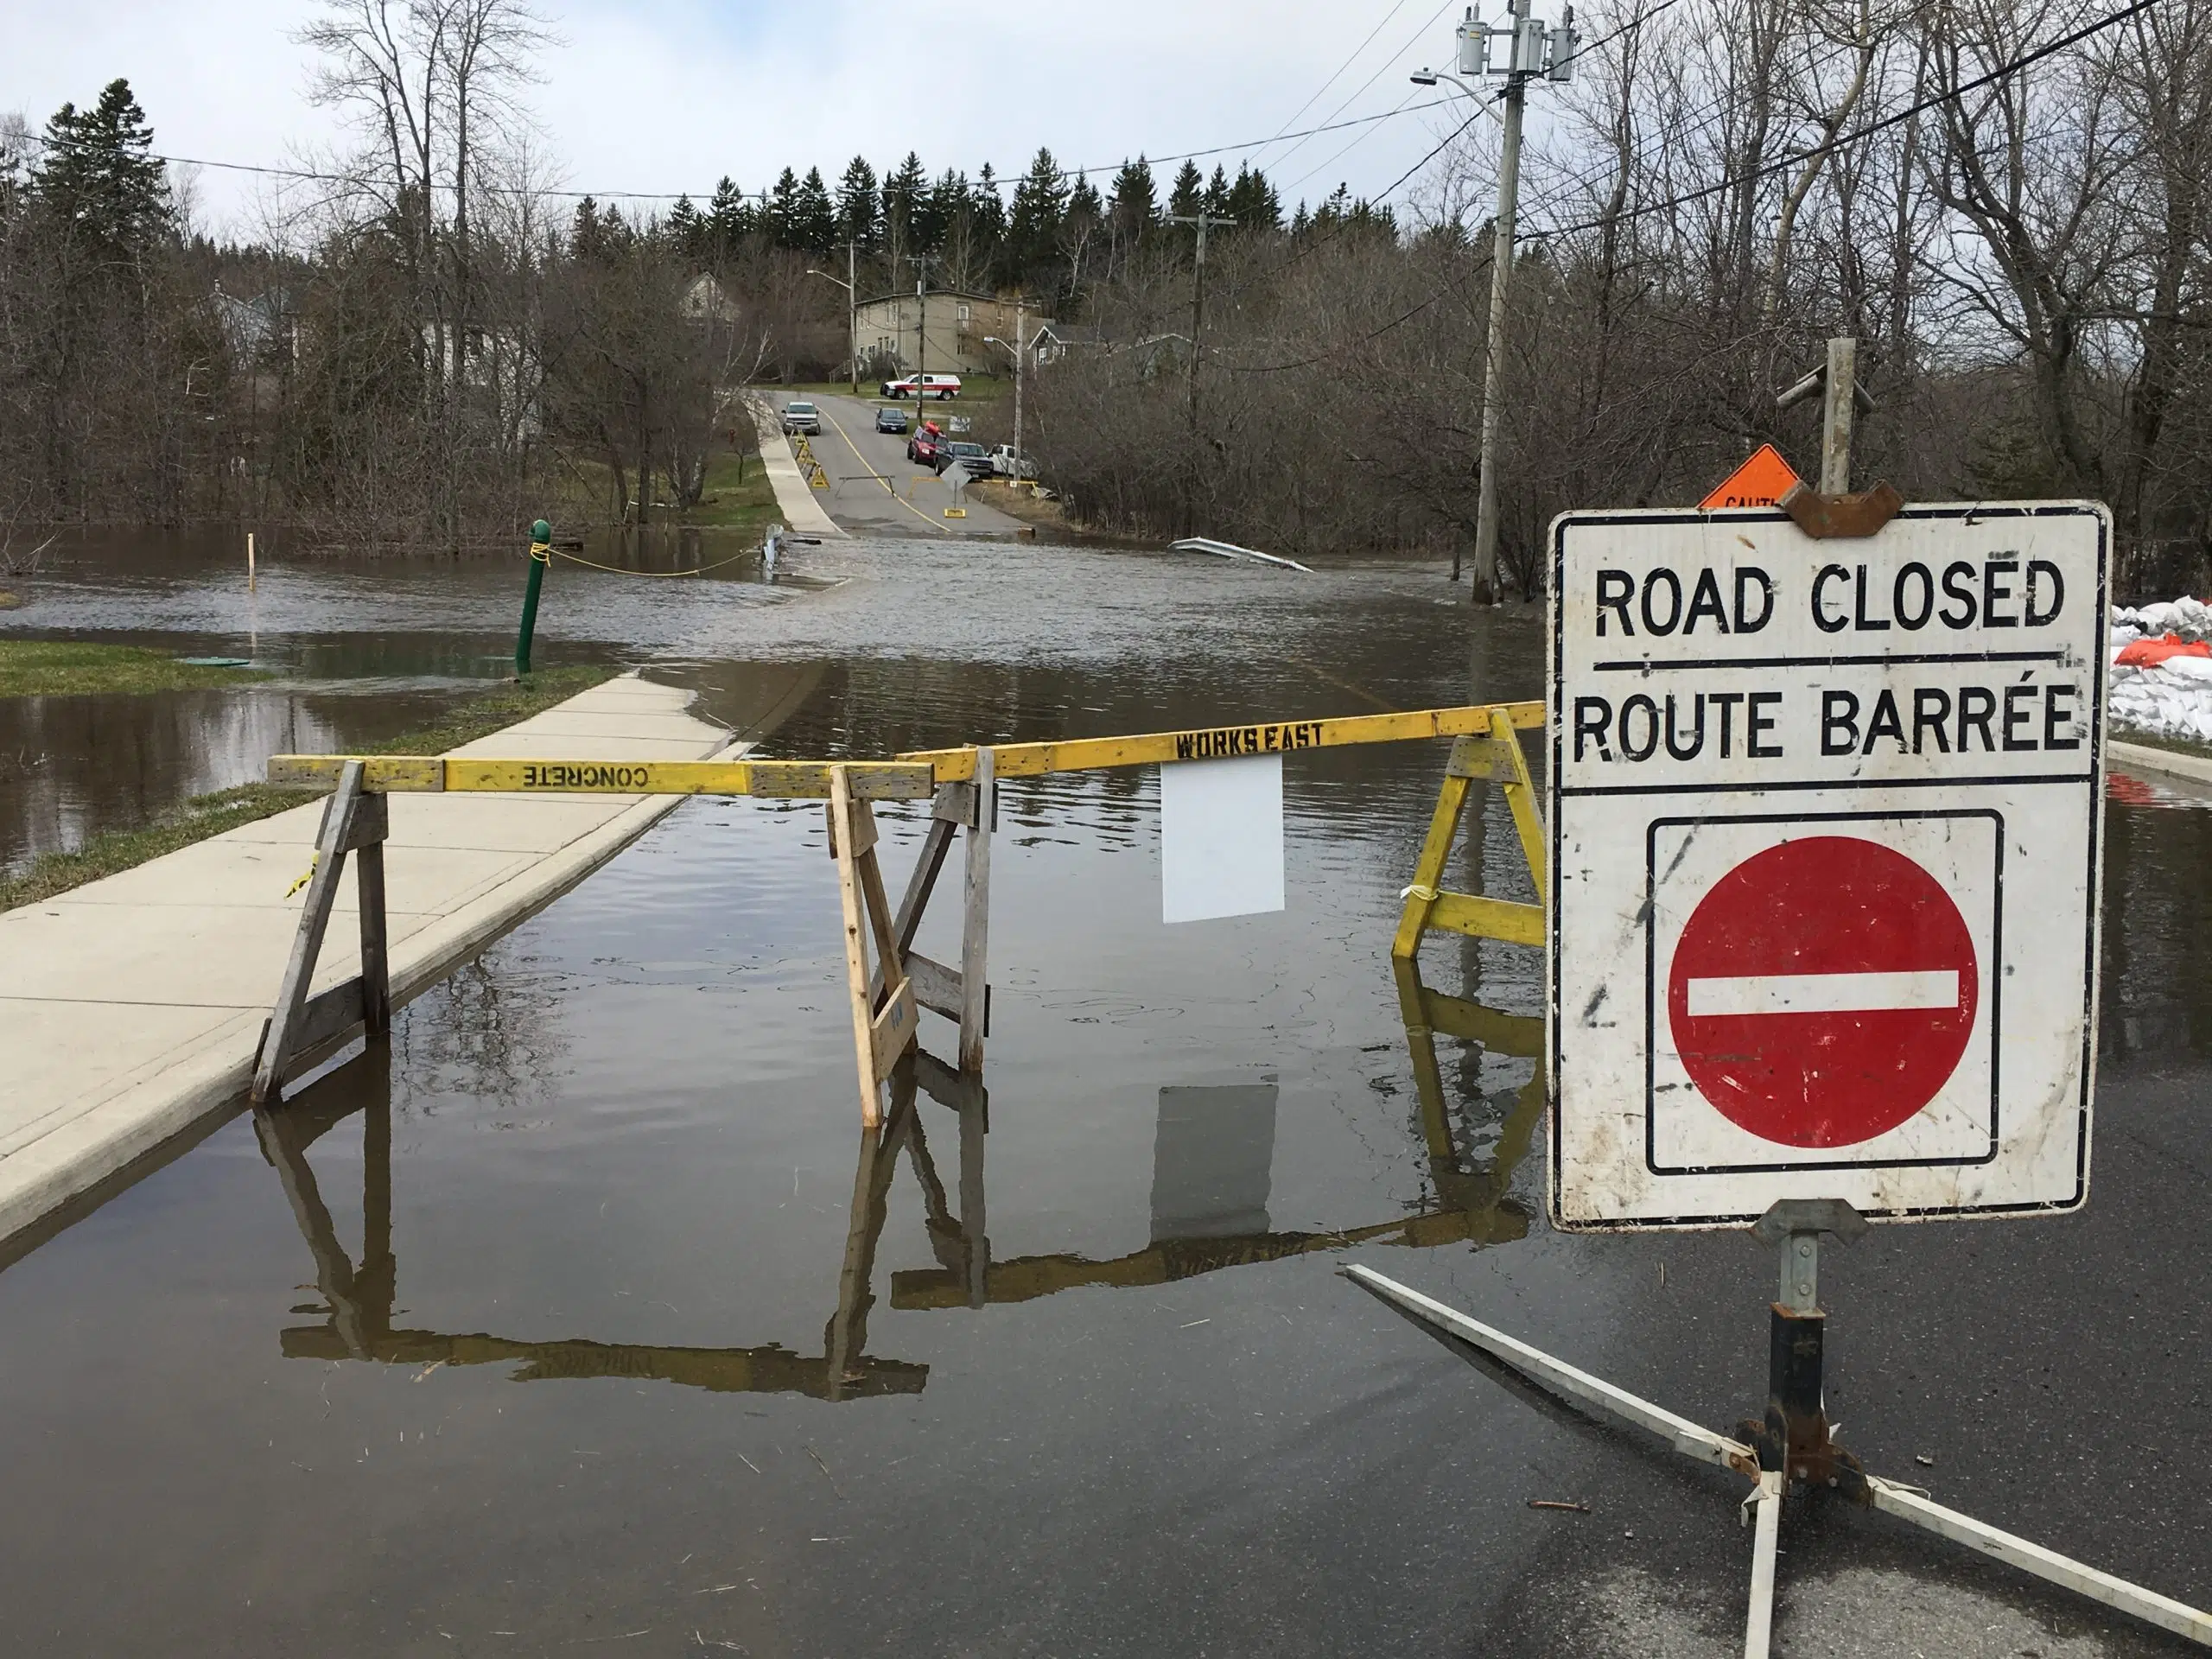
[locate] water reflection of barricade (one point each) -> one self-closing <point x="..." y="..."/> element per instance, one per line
<point x="361" y="1298"/>
<point x="1469" y="1202"/>
<point x="1209" y="1196"/>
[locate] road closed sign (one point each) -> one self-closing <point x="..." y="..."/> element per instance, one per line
<point x="1825" y="828"/>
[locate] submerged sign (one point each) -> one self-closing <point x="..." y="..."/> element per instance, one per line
<point x="1825" y="821"/>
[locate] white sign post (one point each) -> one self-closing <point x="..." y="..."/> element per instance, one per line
<point x="1826" y="821"/>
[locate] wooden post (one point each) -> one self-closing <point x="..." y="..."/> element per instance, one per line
<point x="249" y="561"/>
<point x="976" y="920"/>
<point x="1838" y="406"/>
<point x="355" y="821"/>
<point x="284" y="1020"/>
<point x="376" y="948"/>
<point x="883" y="1021"/>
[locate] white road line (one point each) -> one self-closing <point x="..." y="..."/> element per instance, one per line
<point x="1823" y="993"/>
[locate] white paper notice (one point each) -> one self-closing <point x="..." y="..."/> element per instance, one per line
<point x="1220" y="837"/>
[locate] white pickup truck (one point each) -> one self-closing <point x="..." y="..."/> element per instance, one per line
<point x="1003" y="462"/>
<point x="922" y="385"/>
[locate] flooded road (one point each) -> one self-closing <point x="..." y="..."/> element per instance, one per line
<point x="588" y="1317"/>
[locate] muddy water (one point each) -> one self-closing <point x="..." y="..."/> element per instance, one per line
<point x="587" y="1316"/>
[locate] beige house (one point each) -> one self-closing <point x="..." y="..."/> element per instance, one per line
<point x="888" y="333"/>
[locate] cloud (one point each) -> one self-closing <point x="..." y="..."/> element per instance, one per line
<point x="670" y="97"/>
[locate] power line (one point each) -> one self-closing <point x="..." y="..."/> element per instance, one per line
<point x="1315" y="97"/>
<point x="1867" y="129"/>
<point x="313" y="175"/>
<point x="1386" y="64"/>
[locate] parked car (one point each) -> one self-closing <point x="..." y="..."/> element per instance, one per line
<point x="801" y="417"/>
<point x="1003" y="462"/>
<point x="923" y="386"/>
<point x="891" y="420"/>
<point x="925" y="445"/>
<point x="960" y="453"/>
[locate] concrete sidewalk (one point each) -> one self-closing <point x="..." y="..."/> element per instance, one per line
<point x="130" y="1009"/>
<point x="794" y="495"/>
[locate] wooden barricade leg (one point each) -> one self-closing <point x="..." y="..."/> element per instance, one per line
<point x="975" y="917"/>
<point x="963" y="994"/>
<point x="1428" y="905"/>
<point x="883" y="1023"/>
<point x="355" y="821"/>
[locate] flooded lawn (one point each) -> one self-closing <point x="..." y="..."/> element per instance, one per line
<point x="362" y="650"/>
<point x="588" y="1315"/>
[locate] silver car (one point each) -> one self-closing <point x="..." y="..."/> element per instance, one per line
<point x="801" y="417"/>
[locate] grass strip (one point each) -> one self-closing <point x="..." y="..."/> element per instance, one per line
<point x="68" y="668"/>
<point x="195" y="819"/>
<point x="2159" y="740"/>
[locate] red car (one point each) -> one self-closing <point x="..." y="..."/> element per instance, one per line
<point x="927" y="445"/>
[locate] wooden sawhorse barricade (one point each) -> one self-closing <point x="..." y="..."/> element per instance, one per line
<point x="888" y="981"/>
<point x="303" y="1030"/>
<point x="1492" y="754"/>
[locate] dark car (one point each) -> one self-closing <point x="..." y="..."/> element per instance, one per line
<point x="891" y="420"/>
<point x="973" y="456"/>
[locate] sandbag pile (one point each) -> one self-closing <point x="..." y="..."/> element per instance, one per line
<point x="2162" y="669"/>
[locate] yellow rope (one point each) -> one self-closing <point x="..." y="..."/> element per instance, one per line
<point x="617" y="570"/>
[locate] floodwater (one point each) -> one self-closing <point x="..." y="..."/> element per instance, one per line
<point x="359" y="650"/>
<point x="587" y="1314"/>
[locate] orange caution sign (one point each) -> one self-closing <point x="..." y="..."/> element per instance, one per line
<point x="1759" y="482"/>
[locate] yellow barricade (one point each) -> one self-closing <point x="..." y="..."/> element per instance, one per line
<point x="1496" y="753"/>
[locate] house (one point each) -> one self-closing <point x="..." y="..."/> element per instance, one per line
<point x="707" y="300"/>
<point x="1051" y="341"/>
<point x="962" y="329"/>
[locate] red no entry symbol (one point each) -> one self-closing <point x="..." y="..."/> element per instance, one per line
<point x="1822" y="992"/>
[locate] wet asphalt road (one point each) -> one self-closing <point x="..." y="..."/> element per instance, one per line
<point x="605" y="1327"/>
<point x="875" y="490"/>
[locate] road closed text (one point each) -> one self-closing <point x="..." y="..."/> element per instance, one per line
<point x="2001" y="591"/>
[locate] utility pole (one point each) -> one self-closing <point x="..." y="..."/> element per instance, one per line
<point x="1531" y="50"/>
<point x="1021" y="346"/>
<point x="1202" y="220"/>
<point x="853" y="313"/>
<point x="921" y="262"/>
<point x="1842" y="399"/>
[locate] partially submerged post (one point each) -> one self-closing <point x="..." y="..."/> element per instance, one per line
<point x="541" y="554"/>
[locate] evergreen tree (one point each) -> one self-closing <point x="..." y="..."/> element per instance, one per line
<point x="780" y="211"/>
<point x="1040" y="201"/>
<point x="98" y="177"/>
<point x="687" y="230"/>
<point x="990" y="212"/>
<point x="1253" y="202"/>
<point x="860" y="213"/>
<point x="1136" y="208"/>
<point x="729" y="220"/>
<point x="813" y="226"/>
<point x="903" y="190"/>
<point x="1189" y="193"/>
<point x="1218" y="193"/>
<point x="942" y="206"/>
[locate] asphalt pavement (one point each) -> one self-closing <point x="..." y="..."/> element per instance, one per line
<point x="875" y="490"/>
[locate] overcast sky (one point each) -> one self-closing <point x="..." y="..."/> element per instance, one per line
<point x="669" y="96"/>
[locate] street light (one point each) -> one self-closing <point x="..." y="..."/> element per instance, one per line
<point x="1018" y="353"/>
<point x="852" y="312"/>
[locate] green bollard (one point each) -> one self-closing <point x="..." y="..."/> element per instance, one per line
<point x="541" y="554"/>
